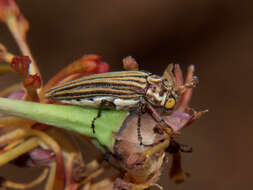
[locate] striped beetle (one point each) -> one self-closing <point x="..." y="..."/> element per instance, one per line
<point x="124" y="90"/>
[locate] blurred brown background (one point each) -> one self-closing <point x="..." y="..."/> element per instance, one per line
<point x="214" y="35"/>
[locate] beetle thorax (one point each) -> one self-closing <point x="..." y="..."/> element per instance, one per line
<point x="156" y="96"/>
<point x="158" y="90"/>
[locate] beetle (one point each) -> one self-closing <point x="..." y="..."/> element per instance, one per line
<point x="123" y="90"/>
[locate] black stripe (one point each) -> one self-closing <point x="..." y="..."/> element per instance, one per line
<point x="123" y="86"/>
<point x="85" y="79"/>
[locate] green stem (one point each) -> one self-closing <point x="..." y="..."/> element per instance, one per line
<point x="74" y="118"/>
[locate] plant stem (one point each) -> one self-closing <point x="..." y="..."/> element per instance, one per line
<point x="74" y="118"/>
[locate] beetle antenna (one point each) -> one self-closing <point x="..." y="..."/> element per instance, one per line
<point x="168" y="73"/>
<point x="191" y="84"/>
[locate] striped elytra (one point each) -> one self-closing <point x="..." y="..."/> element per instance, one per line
<point x="125" y="85"/>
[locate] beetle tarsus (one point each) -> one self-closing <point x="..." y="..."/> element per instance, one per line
<point x="165" y="126"/>
<point x="95" y="118"/>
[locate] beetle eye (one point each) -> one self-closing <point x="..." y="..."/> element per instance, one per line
<point x="170" y="103"/>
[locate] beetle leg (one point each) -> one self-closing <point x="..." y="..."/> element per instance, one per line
<point x="139" y="126"/>
<point x="102" y="105"/>
<point x="140" y="110"/>
<point x="95" y="118"/>
<point x="159" y="119"/>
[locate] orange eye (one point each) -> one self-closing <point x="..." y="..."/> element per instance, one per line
<point x="170" y="103"/>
